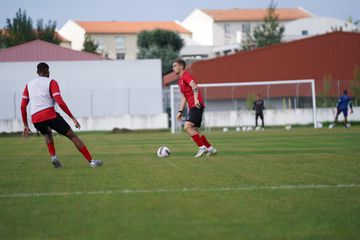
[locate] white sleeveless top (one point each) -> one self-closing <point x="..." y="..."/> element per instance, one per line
<point x="39" y="94"/>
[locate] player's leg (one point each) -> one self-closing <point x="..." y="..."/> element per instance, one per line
<point x="337" y="115"/>
<point x="262" y="120"/>
<point x="256" y="119"/>
<point x="62" y="127"/>
<point x="345" y="117"/>
<point x="192" y="124"/>
<point x="45" y="130"/>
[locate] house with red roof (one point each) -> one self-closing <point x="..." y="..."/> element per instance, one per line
<point x="116" y="39"/>
<point x="39" y="50"/>
<point x="226" y="29"/>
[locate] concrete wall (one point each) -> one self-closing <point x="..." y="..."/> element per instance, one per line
<point x="273" y="117"/>
<point x="201" y="26"/>
<point x="75" y="33"/>
<point x="155" y="121"/>
<point x="90" y="88"/>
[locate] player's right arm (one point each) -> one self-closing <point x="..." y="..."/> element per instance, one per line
<point x="55" y="93"/>
<point x="181" y="108"/>
<point x="24" y="102"/>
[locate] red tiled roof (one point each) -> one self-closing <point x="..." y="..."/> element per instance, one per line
<point x="255" y="14"/>
<point x="129" y="27"/>
<point x="39" y="50"/>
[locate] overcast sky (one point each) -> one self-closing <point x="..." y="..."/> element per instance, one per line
<point x="158" y="10"/>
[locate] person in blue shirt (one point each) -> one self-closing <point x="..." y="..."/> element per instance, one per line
<point x="342" y="107"/>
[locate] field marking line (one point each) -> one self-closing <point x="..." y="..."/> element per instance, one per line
<point x="178" y="190"/>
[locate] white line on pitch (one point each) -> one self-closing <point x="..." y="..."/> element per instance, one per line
<point x="178" y="190"/>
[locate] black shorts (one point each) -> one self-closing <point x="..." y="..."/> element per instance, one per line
<point x="58" y="124"/>
<point x="195" y="116"/>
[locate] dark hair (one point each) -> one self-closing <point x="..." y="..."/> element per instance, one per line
<point x="345" y="92"/>
<point x="180" y="61"/>
<point x="42" y="67"/>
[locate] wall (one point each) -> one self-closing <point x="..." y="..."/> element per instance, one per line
<point x="201" y="26"/>
<point x="90" y="88"/>
<point x="73" y="32"/>
<point x="155" y="121"/>
<point x="273" y="117"/>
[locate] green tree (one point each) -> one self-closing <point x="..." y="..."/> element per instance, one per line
<point x="250" y="98"/>
<point x="268" y="33"/>
<point x="20" y="30"/>
<point x="155" y="52"/>
<point x="162" y="44"/>
<point x="47" y="32"/>
<point x="90" y="45"/>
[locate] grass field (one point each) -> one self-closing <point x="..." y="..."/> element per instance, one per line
<point x="276" y="184"/>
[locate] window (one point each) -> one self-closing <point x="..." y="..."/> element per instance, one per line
<point x="119" y="42"/>
<point x="304" y="32"/>
<point x="227" y="28"/>
<point x="246" y="28"/>
<point x="120" y="56"/>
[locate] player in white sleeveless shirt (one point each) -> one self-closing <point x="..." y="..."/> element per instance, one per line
<point x="42" y="93"/>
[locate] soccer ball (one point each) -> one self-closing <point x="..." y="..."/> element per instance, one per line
<point x="244" y="129"/>
<point x="225" y="129"/>
<point x="249" y="129"/>
<point x="319" y="125"/>
<point x="238" y="129"/>
<point x="331" y="126"/>
<point x="163" y="152"/>
<point x="288" y="127"/>
<point x="348" y="125"/>
<point x="257" y="128"/>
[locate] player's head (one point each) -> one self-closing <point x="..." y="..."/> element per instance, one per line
<point x="345" y="92"/>
<point x="178" y="65"/>
<point x="258" y="97"/>
<point x="43" y="69"/>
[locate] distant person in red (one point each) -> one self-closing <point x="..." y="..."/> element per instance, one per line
<point x="190" y="93"/>
<point x="42" y="93"/>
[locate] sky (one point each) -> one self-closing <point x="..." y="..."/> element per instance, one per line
<point x="158" y="10"/>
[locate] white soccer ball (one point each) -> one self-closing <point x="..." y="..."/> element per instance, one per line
<point x="257" y="128"/>
<point x="225" y="129"/>
<point x="249" y="129"/>
<point x="238" y="129"/>
<point x="244" y="129"/>
<point x="331" y="126"/>
<point x="348" y="125"/>
<point x="163" y="152"/>
<point x="319" y="125"/>
<point x="288" y="127"/>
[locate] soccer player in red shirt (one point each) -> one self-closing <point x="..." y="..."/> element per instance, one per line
<point x="190" y="93"/>
<point x="42" y="93"/>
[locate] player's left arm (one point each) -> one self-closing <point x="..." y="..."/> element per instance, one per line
<point x="195" y="89"/>
<point x="351" y="107"/>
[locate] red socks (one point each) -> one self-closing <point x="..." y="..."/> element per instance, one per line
<point x="86" y="153"/>
<point x="197" y="140"/>
<point x="51" y="149"/>
<point x="205" y="141"/>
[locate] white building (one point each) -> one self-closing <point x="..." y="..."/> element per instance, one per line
<point x="308" y="27"/>
<point x="117" y="40"/>
<point x="225" y="30"/>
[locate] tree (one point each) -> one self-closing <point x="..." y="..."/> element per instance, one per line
<point x="90" y="45"/>
<point x="162" y="44"/>
<point x="268" y="33"/>
<point x="47" y="32"/>
<point x="20" y="30"/>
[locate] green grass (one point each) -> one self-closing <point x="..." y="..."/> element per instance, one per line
<point x="275" y="157"/>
